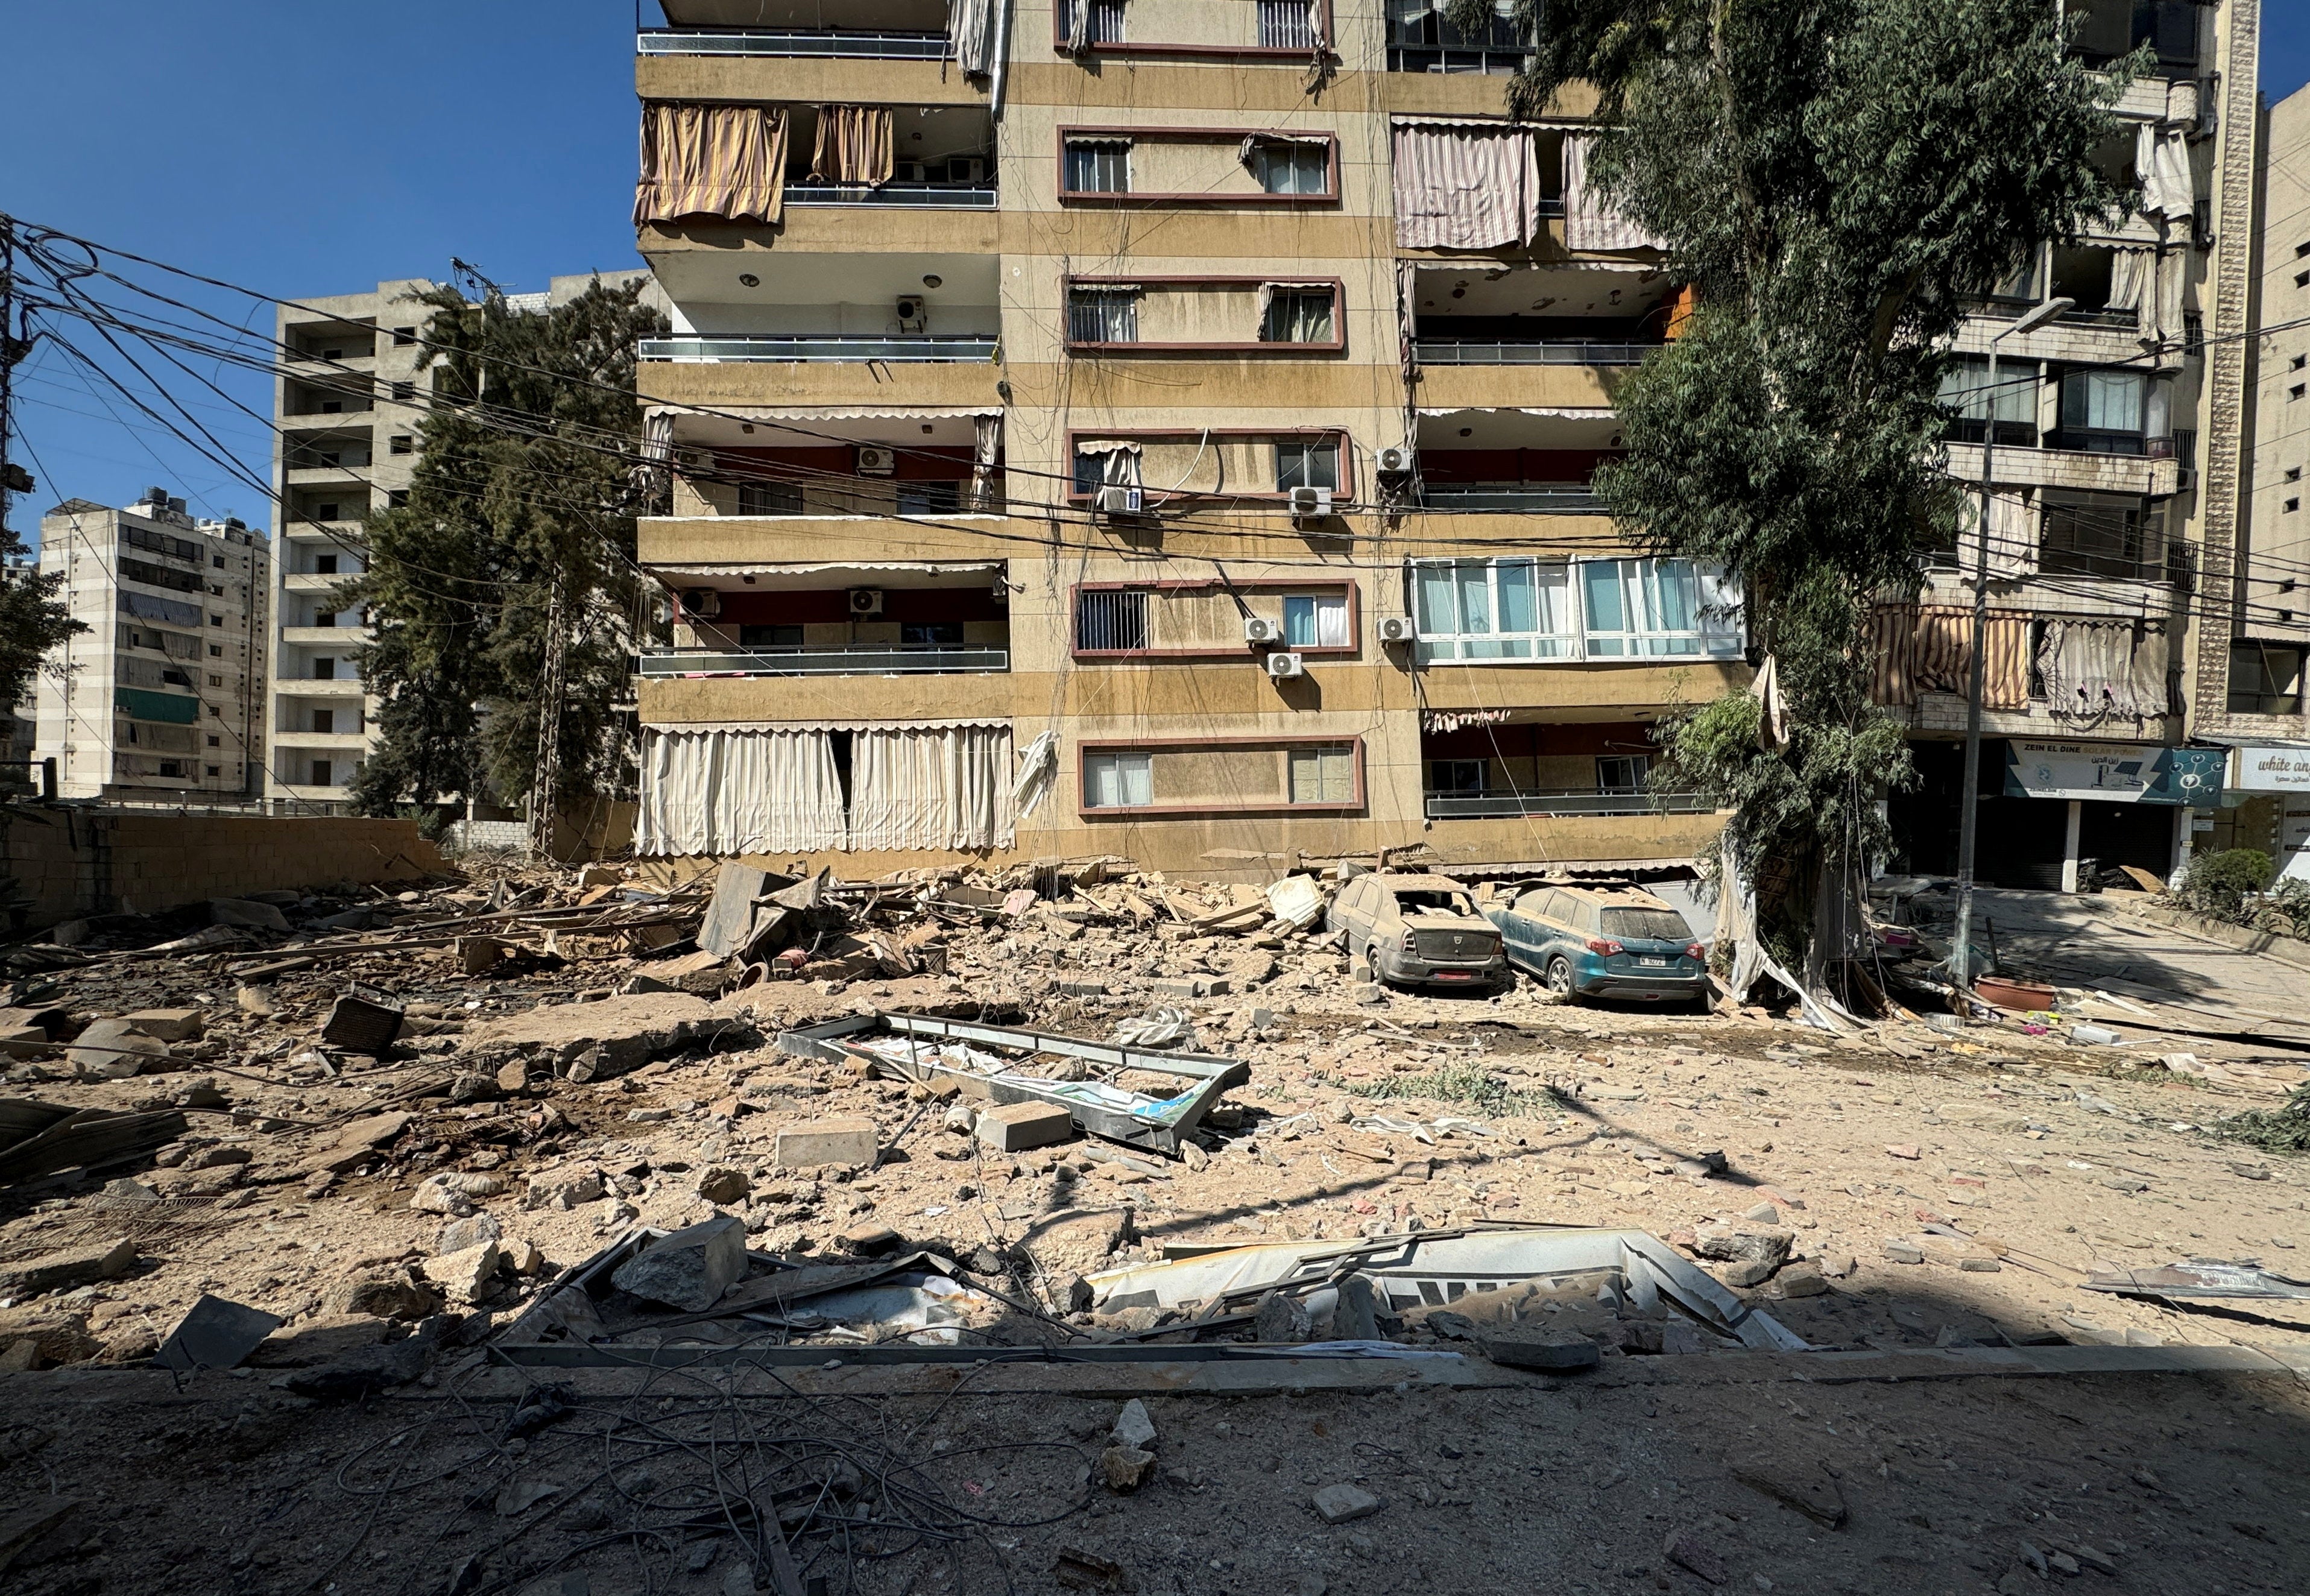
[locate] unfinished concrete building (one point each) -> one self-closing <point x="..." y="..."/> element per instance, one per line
<point x="1130" y="431"/>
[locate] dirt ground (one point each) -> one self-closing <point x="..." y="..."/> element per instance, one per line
<point x="2014" y="1164"/>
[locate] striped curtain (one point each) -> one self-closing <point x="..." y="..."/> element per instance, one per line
<point x="1929" y="648"/>
<point x="725" y="162"/>
<point x="1590" y="222"/>
<point x="725" y="792"/>
<point x="854" y="146"/>
<point x="937" y="787"/>
<point x="1465" y="187"/>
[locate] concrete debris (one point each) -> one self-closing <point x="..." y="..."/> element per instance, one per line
<point x="1344" y="1504"/>
<point x="216" y="1334"/>
<point x="690" y="1268"/>
<point x="1124" y="1468"/>
<point x="467" y="1275"/>
<point x="1134" y="1428"/>
<point x="116" y="1050"/>
<point x="62" y="1270"/>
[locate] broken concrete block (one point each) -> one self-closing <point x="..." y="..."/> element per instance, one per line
<point x="1903" y="1251"/>
<point x="690" y="1268"/>
<point x="1803" y="1280"/>
<point x="564" y="1191"/>
<point x="1133" y="1428"/>
<point x="254" y="1000"/>
<point x="242" y="911"/>
<point x="358" y="1025"/>
<point x="725" y="1186"/>
<point x="465" y="1276"/>
<point x="215" y="1334"/>
<point x="167" y="1025"/>
<point x="825" y="1142"/>
<point x="383" y="1297"/>
<point x="1124" y="1468"/>
<point x="871" y="1241"/>
<point x="433" y="1195"/>
<point x="1015" y="1127"/>
<point x="115" y="1050"/>
<point x="524" y="1257"/>
<point x="1344" y="1504"/>
<point x="1282" y="1318"/>
<point x="1518" y="1347"/>
<point x="1689" y="1552"/>
<point x="512" y="1077"/>
<point x="73" y="1266"/>
<point x="1362" y="1314"/>
<point x="1079" y="1242"/>
<point x="459" y="1234"/>
<point x="23" y="1041"/>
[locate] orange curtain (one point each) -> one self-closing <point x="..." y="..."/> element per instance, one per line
<point x="854" y="145"/>
<point x="1929" y="648"/>
<point x="725" y="161"/>
<point x="1681" y="309"/>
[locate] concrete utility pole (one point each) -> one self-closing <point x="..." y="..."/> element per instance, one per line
<point x="1969" y="799"/>
<point x="548" y="779"/>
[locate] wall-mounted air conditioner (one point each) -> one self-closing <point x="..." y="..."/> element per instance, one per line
<point x="876" y="462"/>
<point x="1395" y="461"/>
<point x="1283" y="667"/>
<point x="1257" y="629"/>
<point x="1122" y="501"/>
<point x="866" y="600"/>
<point x="700" y="604"/>
<point x="1397" y="629"/>
<point x="1311" y="504"/>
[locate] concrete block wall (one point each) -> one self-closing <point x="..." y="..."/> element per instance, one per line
<point x="70" y="861"/>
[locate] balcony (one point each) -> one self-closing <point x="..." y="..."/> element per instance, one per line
<point x="840" y="347"/>
<point x="915" y="196"/>
<point x="1455" y="351"/>
<point x="854" y="44"/>
<point x="1554" y="498"/>
<point x="822" y="662"/>
<point x="1494" y="806"/>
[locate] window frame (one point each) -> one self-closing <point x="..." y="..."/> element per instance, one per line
<point x="1227" y="139"/>
<point x="1085" y="750"/>
<point x="1092" y="147"/>
<point x="1157" y="46"/>
<point x="1342" y="496"/>
<point x="1338" y="343"/>
<point x="1346" y="588"/>
<point x="1577" y="635"/>
<point x="1310" y="450"/>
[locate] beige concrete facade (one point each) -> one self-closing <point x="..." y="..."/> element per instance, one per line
<point x="1483" y="760"/>
<point x="161" y="699"/>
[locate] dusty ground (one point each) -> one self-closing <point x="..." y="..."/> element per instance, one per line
<point x="2054" y="1159"/>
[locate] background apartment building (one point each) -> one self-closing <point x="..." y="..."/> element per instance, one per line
<point x="349" y="399"/>
<point x="2112" y="521"/>
<point x="162" y="698"/>
<point x="1183" y="414"/>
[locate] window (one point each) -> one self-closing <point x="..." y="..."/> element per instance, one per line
<point x="2297" y="362"/>
<point x="1287" y="24"/>
<point x="215" y="713"/>
<point x="1462" y="778"/>
<point x="216" y="590"/>
<point x="401" y="443"/>
<point x="330" y="407"/>
<point x="216" y="620"/>
<point x="1103" y="315"/>
<point x="215" y="680"/>
<point x="324" y="618"/>
<point x="404" y="392"/>
<point x="1495" y="608"/>
<point x="2295" y="391"/>
<point x="930" y="633"/>
<point x="1118" y="780"/>
<point x="322" y="772"/>
<point x="397" y="499"/>
<point x="2100" y="534"/>
<point x="216" y="651"/>
<point x="216" y="771"/>
<point x="2293" y="473"/>
<point x="2293" y="505"/>
<point x="325" y="512"/>
<point x="1965" y="393"/>
<point x="2102" y="411"/>
<point x="1312" y="464"/>
<point x="1641" y="607"/>
<point x="171" y="768"/>
<point x="1297" y="316"/>
<point x="1622" y="773"/>
<point x="1316" y="622"/>
<point x="929" y="498"/>
<point x="325" y="721"/>
<point x="217" y="560"/>
<point x="1108" y="620"/>
<point x="402" y="337"/>
<point x="1291" y="166"/>
<point x="1103" y="26"/>
<point x="324" y="669"/>
<point x="216" y="742"/>
<point x="2265" y="679"/>
<point x="1323" y="774"/>
<point x="324" y="565"/>
<point x="769" y="499"/>
<point x="2302" y="280"/>
<point x="1103" y="166"/>
<point x="769" y="637"/>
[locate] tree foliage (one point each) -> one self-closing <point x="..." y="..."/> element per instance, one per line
<point x="1835" y="178"/>
<point x="526" y="488"/>
<point x="34" y="617"/>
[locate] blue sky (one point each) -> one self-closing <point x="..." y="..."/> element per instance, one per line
<point x="304" y="150"/>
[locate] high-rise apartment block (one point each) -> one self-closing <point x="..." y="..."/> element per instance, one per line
<point x="162" y="698"/>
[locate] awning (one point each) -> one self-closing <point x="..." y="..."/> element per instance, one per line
<point x="1591" y="412"/>
<point x="707" y="728"/>
<point x="849" y="573"/>
<point x="822" y="413"/>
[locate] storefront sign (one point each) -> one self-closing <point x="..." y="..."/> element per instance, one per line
<point x="2269" y="770"/>
<point x="2115" y="772"/>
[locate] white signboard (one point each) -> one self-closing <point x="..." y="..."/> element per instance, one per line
<point x="2269" y="770"/>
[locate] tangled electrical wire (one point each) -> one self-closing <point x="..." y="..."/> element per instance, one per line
<point x="813" y="1494"/>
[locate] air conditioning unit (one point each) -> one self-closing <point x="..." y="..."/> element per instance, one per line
<point x="1397" y="629"/>
<point x="1283" y="667"/>
<point x="966" y="168"/>
<point x="1394" y="462"/>
<point x="1259" y="629"/>
<point x="911" y="171"/>
<point x="693" y="459"/>
<point x="876" y="462"/>
<point x="1122" y="501"/>
<point x="700" y="604"/>
<point x="866" y="600"/>
<point x="910" y="308"/>
<point x="1311" y="504"/>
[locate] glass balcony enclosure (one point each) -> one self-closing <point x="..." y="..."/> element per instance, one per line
<point x="871" y="29"/>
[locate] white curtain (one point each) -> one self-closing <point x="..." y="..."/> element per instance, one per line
<point x="1307" y="315"/>
<point x="985" y="447"/>
<point x="930" y="787"/>
<point x="2161" y="161"/>
<point x="723" y="792"/>
<point x="2099" y="669"/>
<point x="1105" y="312"/>
<point x="2013" y="535"/>
<point x="1119" y="468"/>
<point x="2129" y="274"/>
<point x="973" y="33"/>
<point x="2173" y="273"/>
<point x="1590" y="222"/>
<point x="1465" y="187"/>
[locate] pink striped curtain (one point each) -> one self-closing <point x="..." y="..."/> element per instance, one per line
<point x="1465" y="187"/>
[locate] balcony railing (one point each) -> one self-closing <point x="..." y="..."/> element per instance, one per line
<point x="822" y="662"/>
<point x="919" y="197"/>
<point x="1494" y="806"/>
<point x="1455" y="351"/>
<point x="1561" y="500"/>
<point x="787" y="347"/>
<point x="792" y="41"/>
<point x="1442" y="58"/>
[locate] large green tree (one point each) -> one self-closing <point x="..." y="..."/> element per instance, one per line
<point x="524" y="492"/>
<point x="34" y="617"/>
<point x="1835" y="178"/>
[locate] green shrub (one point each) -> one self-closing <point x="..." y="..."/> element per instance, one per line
<point x="2218" y="884"/>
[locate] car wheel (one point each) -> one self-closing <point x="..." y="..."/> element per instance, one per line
<point x="1560" y="976"/>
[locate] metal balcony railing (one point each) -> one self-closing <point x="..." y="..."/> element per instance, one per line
<point x="919" y="197"/>
<point x="1457" y="352"/>
<point x="1565" y="500"/>
<point x="787" y="347"/>
<point x="1491" y="806"/>
<point x="820" y="662"/>
<point x="791" y="41"/>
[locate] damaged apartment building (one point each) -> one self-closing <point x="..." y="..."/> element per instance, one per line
<point x="1153" y="428"/>
<point x="1168" y="429"/>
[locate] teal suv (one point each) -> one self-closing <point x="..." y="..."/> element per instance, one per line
<point x="1603" y="942"/>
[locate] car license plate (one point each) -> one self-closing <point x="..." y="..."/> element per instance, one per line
<point x="1647" y="958"/>
<point x="1453" y="975"/>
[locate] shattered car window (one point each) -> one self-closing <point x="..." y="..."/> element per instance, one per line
<point x="1435" y="902"/>
<point x="1664" y="925"/>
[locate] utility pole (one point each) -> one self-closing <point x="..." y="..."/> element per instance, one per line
<point x="1969" y="798"/>
<point x="548" y="778"/>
